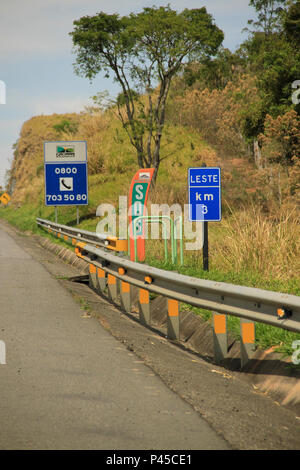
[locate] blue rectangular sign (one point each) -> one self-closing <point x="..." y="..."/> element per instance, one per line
<point x="66" y="184"/>
<point x="205" y="194"/>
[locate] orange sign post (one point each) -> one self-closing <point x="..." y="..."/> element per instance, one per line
<point x="138" y="195"/>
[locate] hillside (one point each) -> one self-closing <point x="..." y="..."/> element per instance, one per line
<point x="253" y="245"/>
<point x="252" y="237"/>
<point x="112" y="161"/>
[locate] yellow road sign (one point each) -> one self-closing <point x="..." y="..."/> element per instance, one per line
<point x="5" y="198"/>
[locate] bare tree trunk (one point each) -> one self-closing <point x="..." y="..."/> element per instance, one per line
<point x="257" y="155"/>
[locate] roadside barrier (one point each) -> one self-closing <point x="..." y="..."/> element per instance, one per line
<point x="115" y="275"/>
<point x="74" y="235"/>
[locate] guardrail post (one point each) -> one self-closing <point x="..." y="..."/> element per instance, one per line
<point x="247" y="340"/>
<point x="101" y="280"/>
<point x="125" y="293"/>
<point x="144" y="306"/>
<point x="173" y="327"/>
<point x="112" y="287"/>
<point x="125" y="296"/>
<point x="93" y="277"/>
<point x="220" y="336"/>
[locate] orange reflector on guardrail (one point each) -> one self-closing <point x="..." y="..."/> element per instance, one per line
<point x="283" y="313"/>
<point x="125" y="287"/>
<point x="248" y="333"/>
<point x="92" y="269"/>
<point x="173" y="308"/>
<point x="101" y="273"/>
<point x="78" y="249"/>
<point x="116" y="244"/>
<point x="220" y="324"/>
<point x="111" y="279"/>
<point x="144" y="296"/>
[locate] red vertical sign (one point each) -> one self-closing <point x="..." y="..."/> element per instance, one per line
<point x="138" y="195"/>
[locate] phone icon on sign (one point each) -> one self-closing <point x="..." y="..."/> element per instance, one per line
<point x="66" y="184"/>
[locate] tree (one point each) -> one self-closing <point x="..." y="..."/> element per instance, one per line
<point x="292" y="22"/>
<point x="268" y="15"/>
<point x="212" y="73"/>
<point x="271" y="55"/>
<point x="144" y="52"/>
<point x="281" y="139"/>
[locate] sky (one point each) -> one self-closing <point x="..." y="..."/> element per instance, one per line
<point x="36" y="53"/>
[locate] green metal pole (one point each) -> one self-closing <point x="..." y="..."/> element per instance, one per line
<point x="154" y="219"/>
<point x="172" y="241"/>
<point x="172" y="235"/>
<point x="181" y="241"/>
<point x="179" y="219"/>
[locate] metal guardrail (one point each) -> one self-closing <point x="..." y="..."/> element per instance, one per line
<point x="97" y="239"/>
<point x="249" y="304"/>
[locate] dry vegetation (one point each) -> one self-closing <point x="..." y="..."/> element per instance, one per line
<point x="221" y="116"/>
<point x="260" y="230"/>
<point x="216" y="114"/>
<point x="250" y="241"/>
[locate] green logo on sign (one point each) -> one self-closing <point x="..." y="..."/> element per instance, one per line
<point x="65" y="151"/>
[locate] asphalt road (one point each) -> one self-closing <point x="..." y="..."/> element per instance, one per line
<point x="69" y="384"/>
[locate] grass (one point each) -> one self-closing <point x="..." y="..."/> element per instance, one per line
<point x="250" y="241"/>
<point x="266" y="335"/>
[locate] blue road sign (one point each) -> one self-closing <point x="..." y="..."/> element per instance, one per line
<point x="66" y="184"/>
<point x="205" y="194"/>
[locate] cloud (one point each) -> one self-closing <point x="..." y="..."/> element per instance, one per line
<point x="8" y="125"/>
<point x="59" y="105"/>
<point x="42" y="27"/>
<point x="28" y="30"/>
<point x="6" y="156"/>
<point x="9" y="132"/>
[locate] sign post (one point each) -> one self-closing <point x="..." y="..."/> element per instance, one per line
<point x="205" y="200"/>
<point x="65" y="174"/>
<point x="138" y="195"/>
<point x="205" y="247"/>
